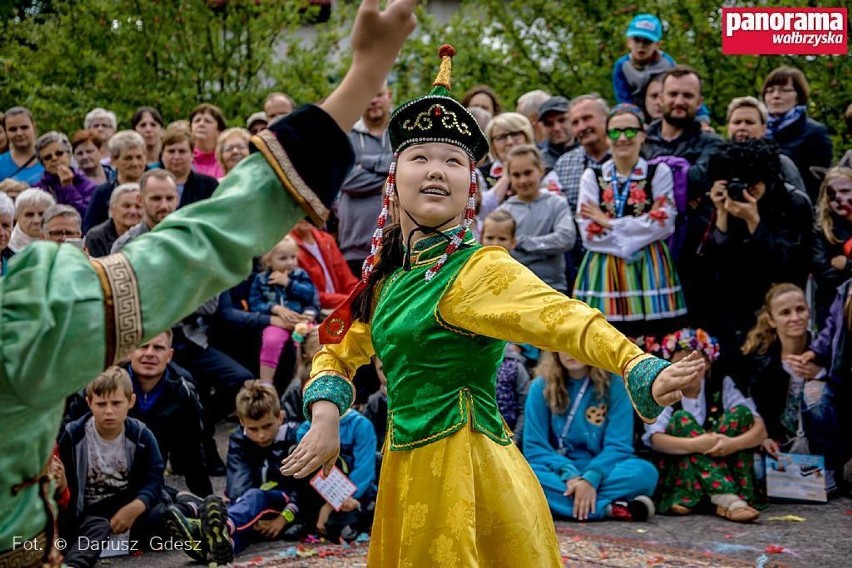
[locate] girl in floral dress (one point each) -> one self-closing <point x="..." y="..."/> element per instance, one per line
<point x="625" y="212"/>
<point x="706" y="441"/>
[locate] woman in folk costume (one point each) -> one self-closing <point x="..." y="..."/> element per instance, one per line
<point x="438" y="309"/>
<point x="626" y="211"/>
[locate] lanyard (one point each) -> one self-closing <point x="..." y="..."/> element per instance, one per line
<point x="621" y="191"/>
<point x="571" y="414"/>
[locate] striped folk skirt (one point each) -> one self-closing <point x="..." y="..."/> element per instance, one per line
<point x="644" y="287"/>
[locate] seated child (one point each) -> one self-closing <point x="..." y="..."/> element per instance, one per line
<point x="284" y="290"/>
<point x="263" y="502"/>
<point x="114" y="472"/>
<point x="306" y="338"/>
<point x="578" y="441"/>
<point x="707" y="439"/>
<point x="357" y="460"/>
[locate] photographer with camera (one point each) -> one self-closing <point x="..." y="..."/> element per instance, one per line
<point x="752" y="230"/>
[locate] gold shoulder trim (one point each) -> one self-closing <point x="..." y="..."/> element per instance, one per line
<point x="274" y="153"/>
<point x="122" y="306"/>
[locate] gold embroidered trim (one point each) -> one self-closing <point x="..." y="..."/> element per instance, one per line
<point x="268" y="145"/>
<point x="447" y="118"/>
<point x="122" y="292"/>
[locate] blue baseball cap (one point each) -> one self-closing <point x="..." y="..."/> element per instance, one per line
<point x="646" y="26"/>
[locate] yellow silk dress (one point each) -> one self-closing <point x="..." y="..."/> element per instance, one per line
<point x="463" y="495"/>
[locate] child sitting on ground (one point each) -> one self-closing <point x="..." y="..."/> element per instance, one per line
<point x="357" y="460"/>
<point x="263" y="502"/>
<point x="707" y="439"/>
<point x="283" y="290"/>
<point x="578" y="441"/>
<point x="114" y="472"/>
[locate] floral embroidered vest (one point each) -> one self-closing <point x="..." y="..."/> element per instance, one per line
<point x="639" y="197"/>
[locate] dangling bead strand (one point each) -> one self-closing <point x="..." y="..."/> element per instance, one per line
<point x="467" y="219"/>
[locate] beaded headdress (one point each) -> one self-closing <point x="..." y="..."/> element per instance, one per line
<point x="435" y="117"/>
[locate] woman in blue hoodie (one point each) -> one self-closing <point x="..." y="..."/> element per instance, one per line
<point x="578" y="435"/>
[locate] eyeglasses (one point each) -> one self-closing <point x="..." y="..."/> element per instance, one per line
<point x="57" y="154"/>
<point x="783" y="90"/>
<point x="629" y="133"/>
<point x="232" y="147"/>
<point x="63" y="234"/>
<point x="514" y="134"/>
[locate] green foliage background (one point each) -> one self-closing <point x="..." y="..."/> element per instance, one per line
<point x="63" y="57"/>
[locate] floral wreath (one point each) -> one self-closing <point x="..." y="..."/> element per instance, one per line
<point x="689" y="339"/>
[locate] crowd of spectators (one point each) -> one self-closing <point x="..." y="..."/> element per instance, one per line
<point x="737" y="246"/>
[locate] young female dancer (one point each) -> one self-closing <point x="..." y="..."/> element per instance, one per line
<point x="437" y="309"/>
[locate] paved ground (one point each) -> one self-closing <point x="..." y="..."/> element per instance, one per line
<point x="823" y="539"/>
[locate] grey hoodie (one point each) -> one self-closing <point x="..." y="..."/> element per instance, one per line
<point x="545" y="232"/>
<point x="361" y="195"/>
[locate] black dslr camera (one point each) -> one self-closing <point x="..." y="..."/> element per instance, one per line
<point x="743" y="165"/>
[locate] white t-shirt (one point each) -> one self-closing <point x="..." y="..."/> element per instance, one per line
<point x="107" y="473"/>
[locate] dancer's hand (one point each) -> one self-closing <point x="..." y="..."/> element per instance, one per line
<point x="377" y="37"/>
<point x="666" y="388"/>
<point x="320" y="446"/>
<point x="584" y="497"/>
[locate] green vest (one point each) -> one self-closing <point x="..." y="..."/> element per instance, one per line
<point x="438" y="374"/>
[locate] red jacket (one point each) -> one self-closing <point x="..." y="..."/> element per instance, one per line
<point x="341" y="277"/>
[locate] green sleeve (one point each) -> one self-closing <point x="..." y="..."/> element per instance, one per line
<point x="200" y="250"/>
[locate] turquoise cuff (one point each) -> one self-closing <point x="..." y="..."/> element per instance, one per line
<point x="594" y="477"/>
<point x="331" y="388"/>
<point x="639" y="382"/>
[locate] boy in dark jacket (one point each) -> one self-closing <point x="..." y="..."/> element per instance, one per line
<point x="114" y="472"/>
<point x="263" y="501"/>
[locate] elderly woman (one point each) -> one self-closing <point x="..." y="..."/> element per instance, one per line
<point x="785" y="92"/>
<point x="67" y="185"/>
<point x="125" y="211"/>
<point x="29" y="209"/>
<point x="86" y="147"/>
<point x="177" y="158"/>
<point x="206" y="123"/>
<point x="504" y="132"/>
<point x="104" y="123"/>
<point x="232" y="146"/>
<point x="7" y="216"/>
<point x="148" y="122"/>
<point x="127" y="149"/>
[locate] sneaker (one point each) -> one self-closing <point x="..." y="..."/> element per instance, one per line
<point x="189" y="504"/>
<point x="637" y="510"/>
<point x="214" y="527"/>
<point x="186" y="530"/>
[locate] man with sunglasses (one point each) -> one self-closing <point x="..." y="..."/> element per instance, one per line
<point x="678" y="133"/>
<point x="20" y="161"/>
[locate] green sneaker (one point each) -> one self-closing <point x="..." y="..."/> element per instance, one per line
<point x="214" y="527"/>
<point x="186" y="531"/>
